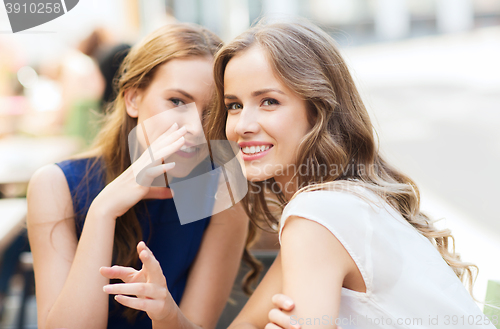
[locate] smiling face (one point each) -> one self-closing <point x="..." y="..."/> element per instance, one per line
<point x="175" y="84"/>
<point x="267" y="119"/>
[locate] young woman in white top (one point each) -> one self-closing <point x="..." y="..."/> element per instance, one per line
<point x="356" y="250"/>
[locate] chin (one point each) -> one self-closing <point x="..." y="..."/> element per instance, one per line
<point x="179" y="172"/>
<point x="255" y="175"/>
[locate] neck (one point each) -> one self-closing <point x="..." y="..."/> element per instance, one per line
<point x="288" y="185"/>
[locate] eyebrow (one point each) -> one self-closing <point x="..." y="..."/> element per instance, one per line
<point x="265" y="91"/>
<point x="180" y="91"/>
<point x="257" y="93"/>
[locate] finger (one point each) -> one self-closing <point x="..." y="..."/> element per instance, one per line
<point x="272" y="326"/>
<point x="141" y="304"/>
<point x="152" y="266"/>
<point x="165" y="151"/>
<point x="126" y="274"/>
<point x="281" y="319"/>
<point x="283" y="302"/>
<point x="162" y="146"/>
<point x="149" y="132"/>
<point x="165" y="139"/>
<point x="155" y="171"/>
<point x="146" y="176"/>
<point x="147" y="290"/>
<point x="172" y="128"/>
<point x="141" y="246"/>
<point x="167" y="133"/>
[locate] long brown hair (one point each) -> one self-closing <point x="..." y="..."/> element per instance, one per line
<point x="306" y="59"/>
<point x="110" y="147"/>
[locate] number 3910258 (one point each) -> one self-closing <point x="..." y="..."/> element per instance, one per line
<point x="33" y="8"/>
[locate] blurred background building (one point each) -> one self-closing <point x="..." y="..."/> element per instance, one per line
<point x="428" y="71"/>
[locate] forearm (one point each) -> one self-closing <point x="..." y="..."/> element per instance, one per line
<point x="82" y="302"/>
<point x="177" y="320"/>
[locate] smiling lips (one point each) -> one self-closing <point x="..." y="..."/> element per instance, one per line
<point x="254" y="150"/>
<point x="187" y="151"/>
<point x="250" y="150"/>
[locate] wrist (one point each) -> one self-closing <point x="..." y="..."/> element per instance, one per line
<point x="174" y="319"/>
<point x="169" y="321"/>
<point x="101" y="210"/>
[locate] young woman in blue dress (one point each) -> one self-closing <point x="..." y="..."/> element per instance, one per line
<point x="88" y="213"/>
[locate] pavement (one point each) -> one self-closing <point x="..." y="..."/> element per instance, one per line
<point x="435" y="103"/>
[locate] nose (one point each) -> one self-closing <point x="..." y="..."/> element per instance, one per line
<point x="248" y="122"/>
<point x="191" y="119"/>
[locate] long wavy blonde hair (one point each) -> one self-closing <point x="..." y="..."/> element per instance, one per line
<point x="306" y="59"/>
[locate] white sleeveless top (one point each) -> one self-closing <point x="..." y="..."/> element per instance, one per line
<point x="408" y="284"/>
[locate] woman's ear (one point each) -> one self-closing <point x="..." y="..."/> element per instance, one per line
<point x="132" y="97"/>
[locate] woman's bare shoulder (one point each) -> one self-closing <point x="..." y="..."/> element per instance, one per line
<point x="48" y="192"/>
<point x="46" y="178"/>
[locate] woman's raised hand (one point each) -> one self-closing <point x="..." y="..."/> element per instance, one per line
<point x="148" y="285"/>
<point x="134" y="184"/>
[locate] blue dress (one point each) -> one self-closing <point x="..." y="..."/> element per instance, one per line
<point x="174" y="245"/>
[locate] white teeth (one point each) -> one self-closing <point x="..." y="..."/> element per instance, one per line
<point x="255" y="149"/>
<point x="188" y="149"/>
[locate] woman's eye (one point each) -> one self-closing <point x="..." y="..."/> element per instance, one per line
<point x="234" y="106"/>
<point x="270" y="101"/>
<point x="177" y="101"/>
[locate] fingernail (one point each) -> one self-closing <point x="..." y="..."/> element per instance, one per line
<point x="175" y="125"/>
<point x="106" y="288"/>
<point x="288" y="303"/>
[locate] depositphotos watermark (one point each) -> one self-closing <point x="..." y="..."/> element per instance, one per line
<point x="431" y="320"/>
